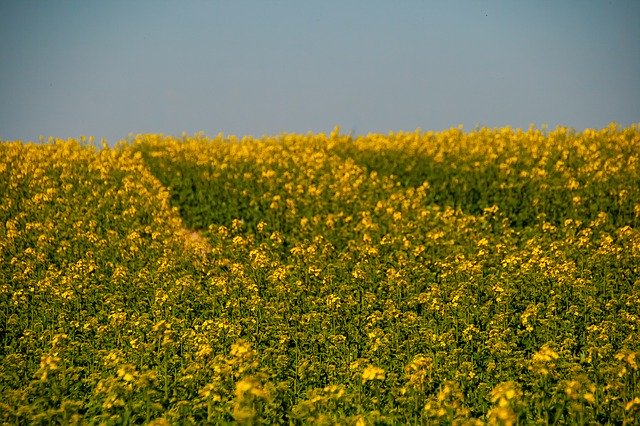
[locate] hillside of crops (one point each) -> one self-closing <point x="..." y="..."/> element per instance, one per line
<point x="481" y="277"/>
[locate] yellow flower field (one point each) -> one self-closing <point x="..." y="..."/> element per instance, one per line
<point x="482" y="277"/>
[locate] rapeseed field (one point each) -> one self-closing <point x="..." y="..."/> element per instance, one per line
<point x="468" y="278"/>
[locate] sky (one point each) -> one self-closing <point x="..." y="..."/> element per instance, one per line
<point x="116" y="68"/>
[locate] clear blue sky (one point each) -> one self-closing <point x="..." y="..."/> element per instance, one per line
<point x="110" y="68"/>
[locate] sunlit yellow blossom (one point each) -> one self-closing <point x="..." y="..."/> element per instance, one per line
<point x="372" y="372"/>
<point x="502" y="416"/>
<point x="127" y="373"/>
<point x="635" y="402"/>
<point x="240" y="348"/>
<point x="545" y="354"/>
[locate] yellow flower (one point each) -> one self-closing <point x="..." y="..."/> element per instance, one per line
<point x="48" y="363"/>
<point x="244" y="386"/>
<point x="502" y="416"/>
<point x="127" y="377"/>
<point x="545" y="354"/>
<point x="633" y="403"/>
<point x="250" y="386"/>
<point x="203" y="351"/>
<point x="127" y="373"/>
<point x="241" y="349"/>
<point x="589" y="398"/>
<point x="505" y="392"/>
<point x="372" y="372"/>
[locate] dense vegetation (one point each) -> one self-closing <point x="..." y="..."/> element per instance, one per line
<point x="455" y="277"/>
